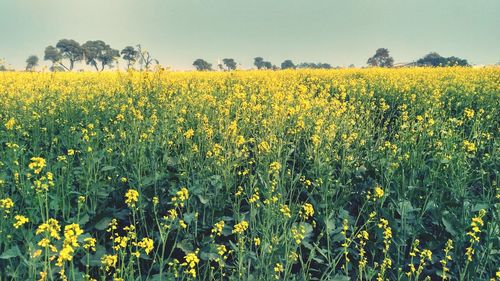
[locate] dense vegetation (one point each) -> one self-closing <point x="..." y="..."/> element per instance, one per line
<point x="375" y="174"/>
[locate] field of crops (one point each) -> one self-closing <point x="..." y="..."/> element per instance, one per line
<point x="250" y="175"/>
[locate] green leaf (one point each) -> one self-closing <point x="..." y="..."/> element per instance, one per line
<point x="107" y="168"/>
<point x="103" y="223"/>
<point x="449" y="223"/>
<point x="11" y="253"/>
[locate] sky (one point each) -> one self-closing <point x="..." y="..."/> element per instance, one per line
<point x="330" y="31"/>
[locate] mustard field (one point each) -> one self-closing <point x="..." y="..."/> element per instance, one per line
<point x="354" y="174"/>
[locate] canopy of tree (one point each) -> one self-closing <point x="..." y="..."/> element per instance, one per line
<point x="287" y="64"/>
<point x="229" y="63"/>
<point x="202" y="65"/>
<point x="31" y="62"/>
<point x="260" y="63"/>
<point x="434" y="59"/>
<point x="71" y="50"/>
<point x="130" y="55"/>
<point x="381" y="59"/>
<point x="314" y="65"/>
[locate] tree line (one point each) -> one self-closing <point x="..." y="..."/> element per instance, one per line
<point x="99" y="55"/>
<point x="95" y="53"/>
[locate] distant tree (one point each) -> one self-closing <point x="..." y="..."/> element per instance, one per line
<point x="31" y="62"/>
<point x="202" y="65"/>
<point x="454" y="61"/>
<point x="107" y="57"/>
<point x="314" y="65"/>
<point x="381" y="58"/>
<point x="145" y="58"/>
<point x="229" y="63"/>
<point x="92" y="50"/>
<point x="432" y="59"/>
<point x="268" y="65"/>
<point x="71" y="50"/>
<point x="130" y="54"/>
<point x="287" y="64"/>
<point x="53" y="55"/>
<point x="98" y="51"/>
<point x="352" y="66"/>
<point x="435" y="59"/>
<point x="3" y="66"/>
<point x="259" y="62"/>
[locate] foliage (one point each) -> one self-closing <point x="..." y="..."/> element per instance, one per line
<point x="130" y="55"/>
<point x="98" y="51"/>
<point x="53" y="55"/>
<point x="71" y="50"/>
<point x="287" y="64"/>
<point x="202" y="65"/>
<point x="31" y="62"/>
<point x="372" y="174"/>
<point x="229" y="63"/>
<point x="313" y="65"/>
<point x="381" y="58"/>
<point x="434" y="59"/>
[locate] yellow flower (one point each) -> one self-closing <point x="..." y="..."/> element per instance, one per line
<point x="274" y="167"/>
<point x="191" y="261"/>
<point x="217" y="229"/>
<point x="109" y="261"/>
<point x="10" y="124"/>
<point x="189" y="134"/>
<point x="89" y="243"/>
<point x="240" y="227"/>
<point x="181" y="196"/>
<point x="298" y="233"/>
<point x="379" y="192"/>
<point x="6" y="204"/>
<point x="256" y="241"/>
<point x="147" y="244"/>
<point x="50" y="227"/>
<point x="285" y="211"/>
<point x="278" y="269"/>
<point x="131" y="198"/>
<point x="470" y="147"/>
<point x="37" y="164"/>
<point x="307" y="211"/>
<point x="469" y="113"/>
<point x="20" y="221"/>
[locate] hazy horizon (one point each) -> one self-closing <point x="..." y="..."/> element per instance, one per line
<point x="178" y="32"/>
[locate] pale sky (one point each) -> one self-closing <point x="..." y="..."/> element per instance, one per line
<point x="330" y="31"/>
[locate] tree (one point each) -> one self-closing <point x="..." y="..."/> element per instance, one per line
<point x="98" y="51"/>
<point x="313" y="65"/>
<point x="287" y="64"/>
<point x="435" y="59"/>
<point x="258" y="62"/>
<point x="145" y="58"/>
<point x="108" y="57"/>
<point x="31" y="62"/>
<point x="432" y="59"/>
<point x="268" y="65"/>
<point x="454" y="61"/>
<point x="229" y="63"/>
<point x="54" y="55"/>
<point x="71" y="50"/>
<point x="202" y="65"/>
<point x="92" y="50"/>
<point x="130" y="55"/>
<point x="3" y="66"/>
<point x="381" y="58"/>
